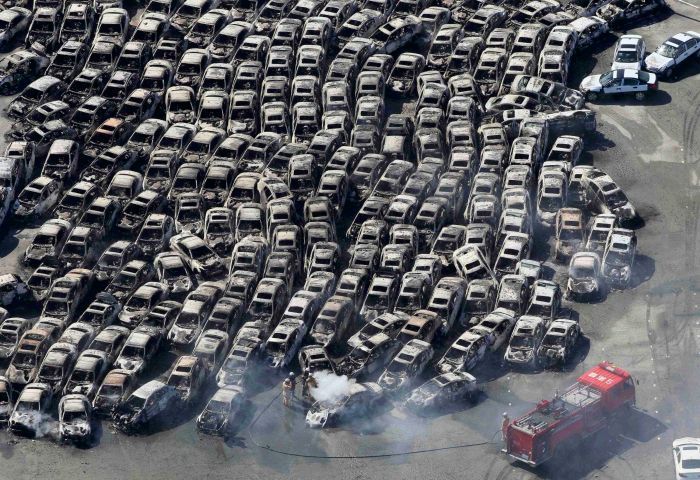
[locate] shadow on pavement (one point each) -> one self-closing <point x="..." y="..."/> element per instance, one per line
<point x="598" y="141"/>
<point x="644" y="268"/>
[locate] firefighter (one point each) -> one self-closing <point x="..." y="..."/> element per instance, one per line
<point x="308" y="382"/>
<point x="288" y="387"/>
<point x="504" y="426"/>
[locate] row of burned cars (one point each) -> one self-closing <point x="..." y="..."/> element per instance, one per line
<point x="190" y="170"/>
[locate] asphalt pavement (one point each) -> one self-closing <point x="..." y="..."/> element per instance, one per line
<point x="652" y="149"/>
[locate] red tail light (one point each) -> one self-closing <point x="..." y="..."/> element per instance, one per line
<point x="654" y="86"/>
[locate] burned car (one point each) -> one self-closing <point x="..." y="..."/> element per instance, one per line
<point x="605" y="196"/>
<point x="101" y="313"/>
<point x="68" y="61"/>
<point x="402" y="80"/>
<point x="406" y="366"/>
<point x="370" y="355"/>
<point x="138" y="350"/>
<point x="443" y="390"/>
<point x="525" y="341"/>
<point x="32" y="404"/>
<point x="195" y="310"/>
<point x="557" y="346"/>
<point x="120" y="186"/>
<point x="141" y="302"/>
<point x="30" y="352"/>
<point x="88" y="372"/>
<point x="569" y="233"/>
<point x="206" y="27"/>
<point x="37" y="198"/>
<point x="148" y="402"/>
<point x="554" y="94"/>
<point x="359" y="401"/>
<point x="129" y="279"/>
<point x="283" y="344"/>
<point x="18" y="69"/>
<point x="6" y="400"/>
<point x="14" y="22"/>
<point x="114" y="258"/>
<point x="46" y="112"/>
<point x="219" y="415"/>
<point x="496" y="327"/>
<point x="116" y="387"/>
<point x="315" y="359"/>
<point x="239" y="366"/>
<point x="11" y="331"/>
<point x="180" y="104"/>
<point x="334" y="321"/>
<point x="90" y="82"/>
<point x="585" y="276"/>
<point x="75" y="200"/>
<point x="75" y="419"/>
<point x="47" y="242"/>
<point x="619" y="256"/>
<point x="126" y="189"/>
<point x="224" y="45"/>
<point x="40" y="91"/>
<point x="187" y="377"/>
<point x="464" y="354"/>
<point x="43" y="33"/>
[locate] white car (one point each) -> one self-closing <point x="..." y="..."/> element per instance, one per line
<point x="686" y="457"/>
<point x="673" y="52"/>
<point x="622" y="80"/>
<point x="629" y="52"/>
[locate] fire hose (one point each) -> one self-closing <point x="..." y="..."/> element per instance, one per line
<point x="374" y="455"/>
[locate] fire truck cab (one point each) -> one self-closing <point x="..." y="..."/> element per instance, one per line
<point x="585" y="408"/>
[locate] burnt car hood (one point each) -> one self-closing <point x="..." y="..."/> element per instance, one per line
<point x="236" y="378"/>
<point x="520" y="355"/>
<point x="211" y="422"/>
<point x="106" y="403"/>
<point x="573" y="99"/>
<point x="609" y="13"/>
<point x="158" y="185"/>
<point x="130" y="223"/>
<point x="182" y="335"/>
<point x="37" y="253"/>
<point x="586" y="285"/>
<point x="401" y="86"/>
<point x="79" y="429"/>
<point x="20" y="376"/>
<point x="391" y="381"/>
<point x="420" y="400"/>
<point x="25" y="421"/>
<point x="128" y="420"/>
<point x="6" y="351"/>
<point x="19" y="108"/>
<point x="350" y="367"/>
<point x="131" y="364"/>
<point x="318" y="418"/>
<point x="551" y="354"/>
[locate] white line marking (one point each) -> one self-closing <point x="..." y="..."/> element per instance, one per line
<point x="689" y="4"/>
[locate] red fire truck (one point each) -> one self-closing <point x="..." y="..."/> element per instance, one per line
<point x="582" y="410"/>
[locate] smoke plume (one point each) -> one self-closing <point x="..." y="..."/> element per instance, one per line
<point x="331" y="387"/>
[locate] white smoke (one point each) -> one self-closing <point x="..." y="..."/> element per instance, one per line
<point x="331" y="388"/>
<point x="46" y="426"/>
<point x="42" y="424"/>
